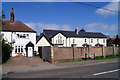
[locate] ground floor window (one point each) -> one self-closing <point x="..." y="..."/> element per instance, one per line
<point x="18" y="49"/>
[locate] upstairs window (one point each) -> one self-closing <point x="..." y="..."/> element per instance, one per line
<point x="103" y="40"/>
<point x="97" y="40"/>
<point x="85" y="40"/>
<point x="73" y="40"/>
<point x="91" y="40"/>
<point x="59" y="39"/>
<point x="22" y="35"/>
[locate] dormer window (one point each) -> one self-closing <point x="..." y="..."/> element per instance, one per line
<point x="97" y="40"/>
<point x="73" y="40"/>
<point x="85" y="40"/>
<point x="59" y="39"/>
<point x="91" y="40"/>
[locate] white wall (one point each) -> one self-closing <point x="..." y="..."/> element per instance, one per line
<point x="55" y="39"/>
<point x="67" y="42"/>
<point x="43" y="42"/>
<point x="7" y="36"/>
<point x="20" y="41"/>
<point x="81" y="41"/>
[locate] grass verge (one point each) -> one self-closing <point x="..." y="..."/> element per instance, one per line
<point x="96" y="58"/>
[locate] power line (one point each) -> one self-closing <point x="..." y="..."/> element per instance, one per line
<point x="97" y="7"/>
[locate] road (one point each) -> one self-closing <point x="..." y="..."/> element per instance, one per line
<point x="106" y="70"/>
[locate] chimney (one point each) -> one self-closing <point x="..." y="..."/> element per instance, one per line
<point x="76" y="30"/>
<point x="117" y="36"/>
<point x="12" y="16"/>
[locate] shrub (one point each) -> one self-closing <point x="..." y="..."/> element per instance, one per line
<point x="6" y="50"/>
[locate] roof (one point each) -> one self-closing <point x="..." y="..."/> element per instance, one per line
<point x="40" y="36"/>
<point x="16" y="26"/>
<point x="52" y="33"/>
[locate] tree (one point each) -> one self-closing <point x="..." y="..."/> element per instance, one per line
<point x="2" y="17"/>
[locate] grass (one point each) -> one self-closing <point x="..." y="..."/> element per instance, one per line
<point x="96" y="58"/>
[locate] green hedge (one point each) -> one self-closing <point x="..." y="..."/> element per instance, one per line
<point x="6" y="50"/>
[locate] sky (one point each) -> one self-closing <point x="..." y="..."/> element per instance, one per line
<point x="65" y="16"/>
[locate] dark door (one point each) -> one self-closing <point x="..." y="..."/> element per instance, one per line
<point x="40" y="51"/>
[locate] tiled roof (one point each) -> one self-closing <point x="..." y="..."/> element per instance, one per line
<point x="51" y="33"/>
<point x="15" y="26"/>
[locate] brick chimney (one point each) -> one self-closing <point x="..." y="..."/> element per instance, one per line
<point x="12" y="16"/>
<point x="76" y="30"/>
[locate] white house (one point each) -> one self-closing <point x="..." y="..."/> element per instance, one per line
<point x="22" y="37"/>
<point x="61" y="38"/>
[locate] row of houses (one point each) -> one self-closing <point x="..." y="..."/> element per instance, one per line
<point x="25" y="41"/>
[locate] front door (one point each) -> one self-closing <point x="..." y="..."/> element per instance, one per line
<point x="30" y="51"/>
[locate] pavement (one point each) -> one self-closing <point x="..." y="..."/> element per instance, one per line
<point x="103" y="69"/>
<point x="41" y="66"/>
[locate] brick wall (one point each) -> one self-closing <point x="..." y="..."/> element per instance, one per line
<point x="68" y="53"/>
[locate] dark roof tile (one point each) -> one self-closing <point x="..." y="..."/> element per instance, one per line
<point x="51" y="33"/>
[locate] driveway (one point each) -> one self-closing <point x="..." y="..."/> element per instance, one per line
<point x="23" y="64"/>
<point x="25" y="61"/>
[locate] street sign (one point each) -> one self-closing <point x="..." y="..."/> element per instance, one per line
<point x="89" y="54"/>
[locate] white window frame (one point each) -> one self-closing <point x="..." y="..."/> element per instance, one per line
<point x="19" y="49"/>
<point x="97" y="40"/>
<point x="91" y="40"/>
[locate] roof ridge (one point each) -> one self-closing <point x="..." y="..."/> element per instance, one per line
<point x="57" y="30"/>
<point x="90" y="32"/>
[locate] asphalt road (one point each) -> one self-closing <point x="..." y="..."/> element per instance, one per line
<point x="107" y="70"/>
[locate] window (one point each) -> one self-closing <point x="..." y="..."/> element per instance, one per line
<point x="59" y="40"/>
<point x="22" y="35"/>
<point x="91" y="40"/>
<point x="21" y="48"/>
<point x="27" y="35"/>
<point x="73" y="40"/>
<point x="18" y="49"/>
<point x="85" y="40"/>
<point x="97" y="40"/>
<point x="18" y="35"/>
<point x="103" y="40"/>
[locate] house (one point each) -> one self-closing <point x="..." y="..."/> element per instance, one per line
<point x="61" y="38"/>
<point x="22" y="37"/>
<point x="113" y="41"/>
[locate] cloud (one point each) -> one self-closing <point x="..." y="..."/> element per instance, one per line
<point x="101" y="27"/>
<point x="66" y="27"/>
<point x="40" y="26"/>
<point x="111" y="6"/>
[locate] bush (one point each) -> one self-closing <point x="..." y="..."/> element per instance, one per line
<point x="6" y="50"/>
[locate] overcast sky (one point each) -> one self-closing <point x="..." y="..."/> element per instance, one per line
<point x="65" y="15"/>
